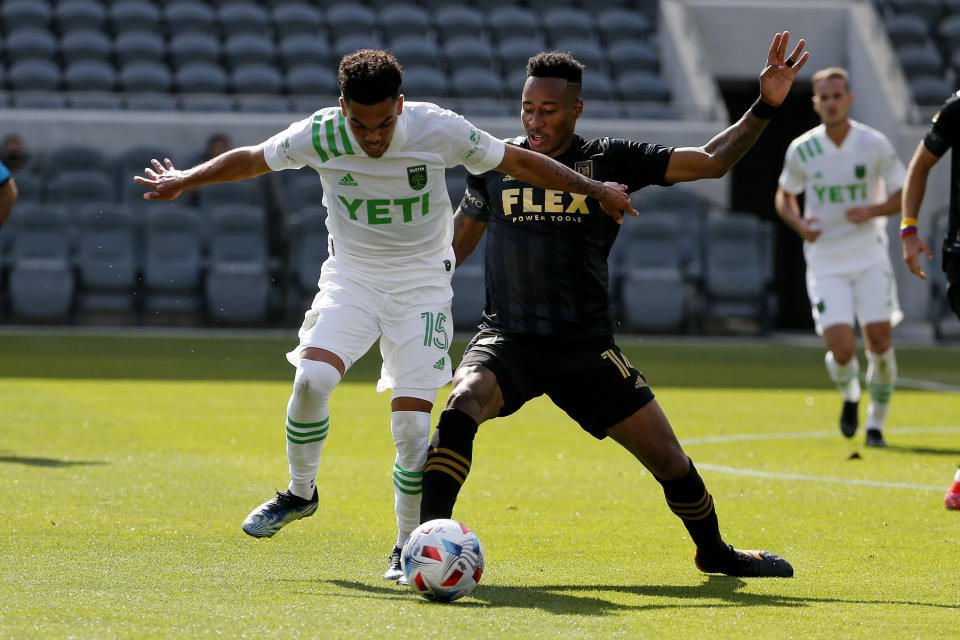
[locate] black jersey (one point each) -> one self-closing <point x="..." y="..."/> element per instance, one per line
<point x="944" y="134"/>
<point x="546" y="251"/>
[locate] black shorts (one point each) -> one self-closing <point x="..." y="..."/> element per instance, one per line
<point x="590" y="379"/>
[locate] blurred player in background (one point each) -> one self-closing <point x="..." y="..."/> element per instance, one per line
<point x="944" y="133"/>
<point x="548" y="325"/>
<point x="381" y="163"/>
<point x="8" y="193"/>
<point x="851" y="178"/>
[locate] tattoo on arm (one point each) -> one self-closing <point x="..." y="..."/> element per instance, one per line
<point x="570" y="180"/>
<point x="729" y="145"/>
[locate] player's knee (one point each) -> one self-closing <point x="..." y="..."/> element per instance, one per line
<point x="843" y="354"/>
<point x="672" y="464"/>
<point x="315" y="379"/>
<point x="473" y="390"/>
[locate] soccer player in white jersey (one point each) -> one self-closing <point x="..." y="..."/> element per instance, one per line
<point x="851" y="179"/>
<point x="381" y="162"/>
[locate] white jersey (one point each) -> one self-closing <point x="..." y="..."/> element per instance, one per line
<point x="391" y="212"/>
<point x="862" y="171"/>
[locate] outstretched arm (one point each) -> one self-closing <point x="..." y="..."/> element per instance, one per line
<point x="545" y="172"/>
<point x="914" y="188"/>
<point x="8" y="195"/>
<point x="715" y="158"/>
<point x="167" y="182"/>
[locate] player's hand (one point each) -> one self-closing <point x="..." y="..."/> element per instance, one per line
<point x="857" y="215"/>
<point x="810" y="229"/>
<point x="777" y="77"/>
<point x="913" y="246"/>
<point x="616" y="201"/>
<point x="164" y="179"/>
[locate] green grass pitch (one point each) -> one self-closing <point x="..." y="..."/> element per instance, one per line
<point x="127" y="464"/>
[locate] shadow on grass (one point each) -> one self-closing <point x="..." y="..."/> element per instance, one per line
<point x="567" y="599"/>
<point x="933" y="451"/>
<point x="46" y="462"/>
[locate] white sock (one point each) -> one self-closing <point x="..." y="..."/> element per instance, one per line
<point x="881" y="376"/>
<point x="846" y="376"/>
<point x="308" y="422"/>
<point x="411" y="434"/>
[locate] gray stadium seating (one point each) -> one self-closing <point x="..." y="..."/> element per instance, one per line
<point x="469" y="53"/>
<point x="404" y="19"/>
<point x="311" y="79"/>
<point x="256" y="78"/>
<point x="30" y="43"/>
<point x="134" y="15"/>
<point x="35" y="75"/>
<point x="643" y="86"/>
<point x="238" y="282"/>
<point x="79" y="187"/>
<point x="296" y="17"/>
<point x="303" y="189"/>
<point x="623" y="24"/>
<point x="41" y="281"/>
<point x="930" y="90"/>
<point x="145" y="76"/>
<point x="586" y="51"/>
<point x="242" y="17"/>
<point x="308" y="251"/>
<point x="172" y="263"/>
<point x="415" y="50"/>
<point x="303" y="48"/>
<point x="24" y="14"/>
<point x="245" y="192"/>
<point x="920" y="60"/>
<point x="248" y="48"/>
<point x="80" y="14"/>
<point x="354" y="42"/>
<point x="346" y="19"/>
<point x="189" y="15"/>
<point x="454" y="21"/>
<point x="75" y="158"/>
<point x="512" y="22"/>
<point x="134" y="46"/>
<point x="929" y="10"/>
<point x="201" y="77"/>
<point x="106" y="260"/>
<point x="193" y="47"/>
<point x="627" y="55"/>
<point x="39" y="100"/>
<point x="906" y="29"/>
<point x="477" y="83"/>
<point x="90" y="75"/>
<point x="561" y="23"/>
<point x="515" y="52"/>
<point x="99" y="100"/>
<point x="85" y="44"/>
<point x="424" y="82"/>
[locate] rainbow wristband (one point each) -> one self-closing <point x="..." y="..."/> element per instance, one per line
<point x="908" y="226"/>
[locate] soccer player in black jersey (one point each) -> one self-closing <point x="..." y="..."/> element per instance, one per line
<point x="558" y="319"/>
<point x="944" y="133"/>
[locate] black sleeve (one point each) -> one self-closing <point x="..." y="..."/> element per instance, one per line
<point x="945" y="130"/>
<point x="475" y="201"/>
<point x="639" y="164"/>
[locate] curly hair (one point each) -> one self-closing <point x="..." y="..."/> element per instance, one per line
<point x="555" y="64"/>
<point x="369" y="76"/>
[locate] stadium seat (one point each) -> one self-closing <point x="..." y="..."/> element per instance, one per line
<point x="477" y="83"/>
<point x="256" y="78"/>
<point x="929" y="10"/>
<point x="545" y="6"/>
<point x="79" y="187"/>
<point x="302" y="48"/>
<point x="145" y="76"/>
<point x="295" y="18"/>
<point x="34" y="75"/>
<point x="41" y="281"/>
<point x="238" y="281"/>
<point x="354" y="42"/>
<point x="512" y="22"/>
<point x="415" y="50"/>
<point x="920" y="60"/>
<point x="249" y="48"/>
<point x="515" y="52"/>
<point x="201" y="77"/>
<point x="597" y="85"/>
<point x="172" y="262"/>
<point x="302" y="190"/>
<point x="562" y="23"/>
<point x="308" y="252"/>
<point x="469" y="290"/>
<point x="348" y="19"/>
<point x="311" y="79"/>
<point x="39" y="100"/>
<point x="642" y="86"/>
<point x="906" y="29"/>
<point x="231" y="194"/>
<point x="75" y="157"/>
<point x="151" y="102"/>
<point x="29" y="187"/>
<point x="948" y="34"/>
<point x="136" y="46"/>
<point x="208" y="102"/>
<point x="192" y="47"/>
<point x="454" y="21"/>
<point x="106" y="260"/>
<point x="263" y="103"/>
<point x="648" y="273"/>
<point x="85" y="44"/>
<point x="90" y="75"/>
<point x="623" y="24"/>
<point x="96" y="100"/>
<point x="425" y="82"/>
<point x="398" y="20"/>
<point x="30" y="43"/>
<point x="242" y="16"/>
<point x="25" y="14"/>
<point x="134" y="15"/>
<point x="469" y="53"/>
<point x="586" y="51"/>
<point x="188" y="15"/>
<point x="625" y="56"/>
<point x="930" y="90"/>
<point x="80" y="14"/>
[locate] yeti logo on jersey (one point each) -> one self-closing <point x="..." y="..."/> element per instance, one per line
<point x="584" y="168"/>
<point x="417" y="176"/>
<point x="860" y="171"/>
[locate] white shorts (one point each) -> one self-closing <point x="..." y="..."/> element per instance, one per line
<point x="870" y="294"/>
<point x="414" y="325"/>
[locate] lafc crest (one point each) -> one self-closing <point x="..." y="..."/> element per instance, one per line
<point x="584" y="168"/>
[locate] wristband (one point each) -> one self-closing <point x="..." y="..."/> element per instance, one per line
<point x="908" y="226"/>
<point x="763" y="110"/>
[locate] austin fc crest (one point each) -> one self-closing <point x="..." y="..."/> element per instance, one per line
<point x="584" y="168"/>
<point x="417" y="176"/>
<point x="860" y="170"/>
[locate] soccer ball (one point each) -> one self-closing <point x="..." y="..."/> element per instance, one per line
<point x="443" y="560"/>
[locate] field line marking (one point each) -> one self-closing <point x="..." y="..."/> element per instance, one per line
<point x="798" y="476"/>
<point x="801" y="435"/>
<point x="926" y="385"/>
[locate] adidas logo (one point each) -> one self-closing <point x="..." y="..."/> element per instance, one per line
<point x="347" y="181"/>
<point x="440" y="364"/>
<point x="508" y="178"/>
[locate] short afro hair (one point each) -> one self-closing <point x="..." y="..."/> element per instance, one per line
<point x="369" y="76"/>
<point x="555" y="64"/>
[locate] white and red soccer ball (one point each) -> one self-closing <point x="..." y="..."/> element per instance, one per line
<point x="443" y="560"/>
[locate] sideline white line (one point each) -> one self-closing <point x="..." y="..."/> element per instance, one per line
<point x="797" y="476"/>
<point x="801" y="435"/>
<point x="926" y="385"/>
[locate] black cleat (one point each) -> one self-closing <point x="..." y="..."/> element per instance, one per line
<point x="279" y="511"/>
<point x="849" y="420"/>
<point x="394" y="572"/>
<point x="875" y="438"/>
<point x="746" y="564"/>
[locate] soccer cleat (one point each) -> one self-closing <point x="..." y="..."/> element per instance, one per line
<point x="849" y="421"/>
<point x="746" y="564"/>
<point x="952" y="499"/>
<point x="394" y="572"/>
<point x="267" y="519"/>
<point x="875" y="438"/>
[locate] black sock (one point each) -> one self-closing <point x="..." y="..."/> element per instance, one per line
<point x="448" y="463"/>
<point x="688" y="498"/>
